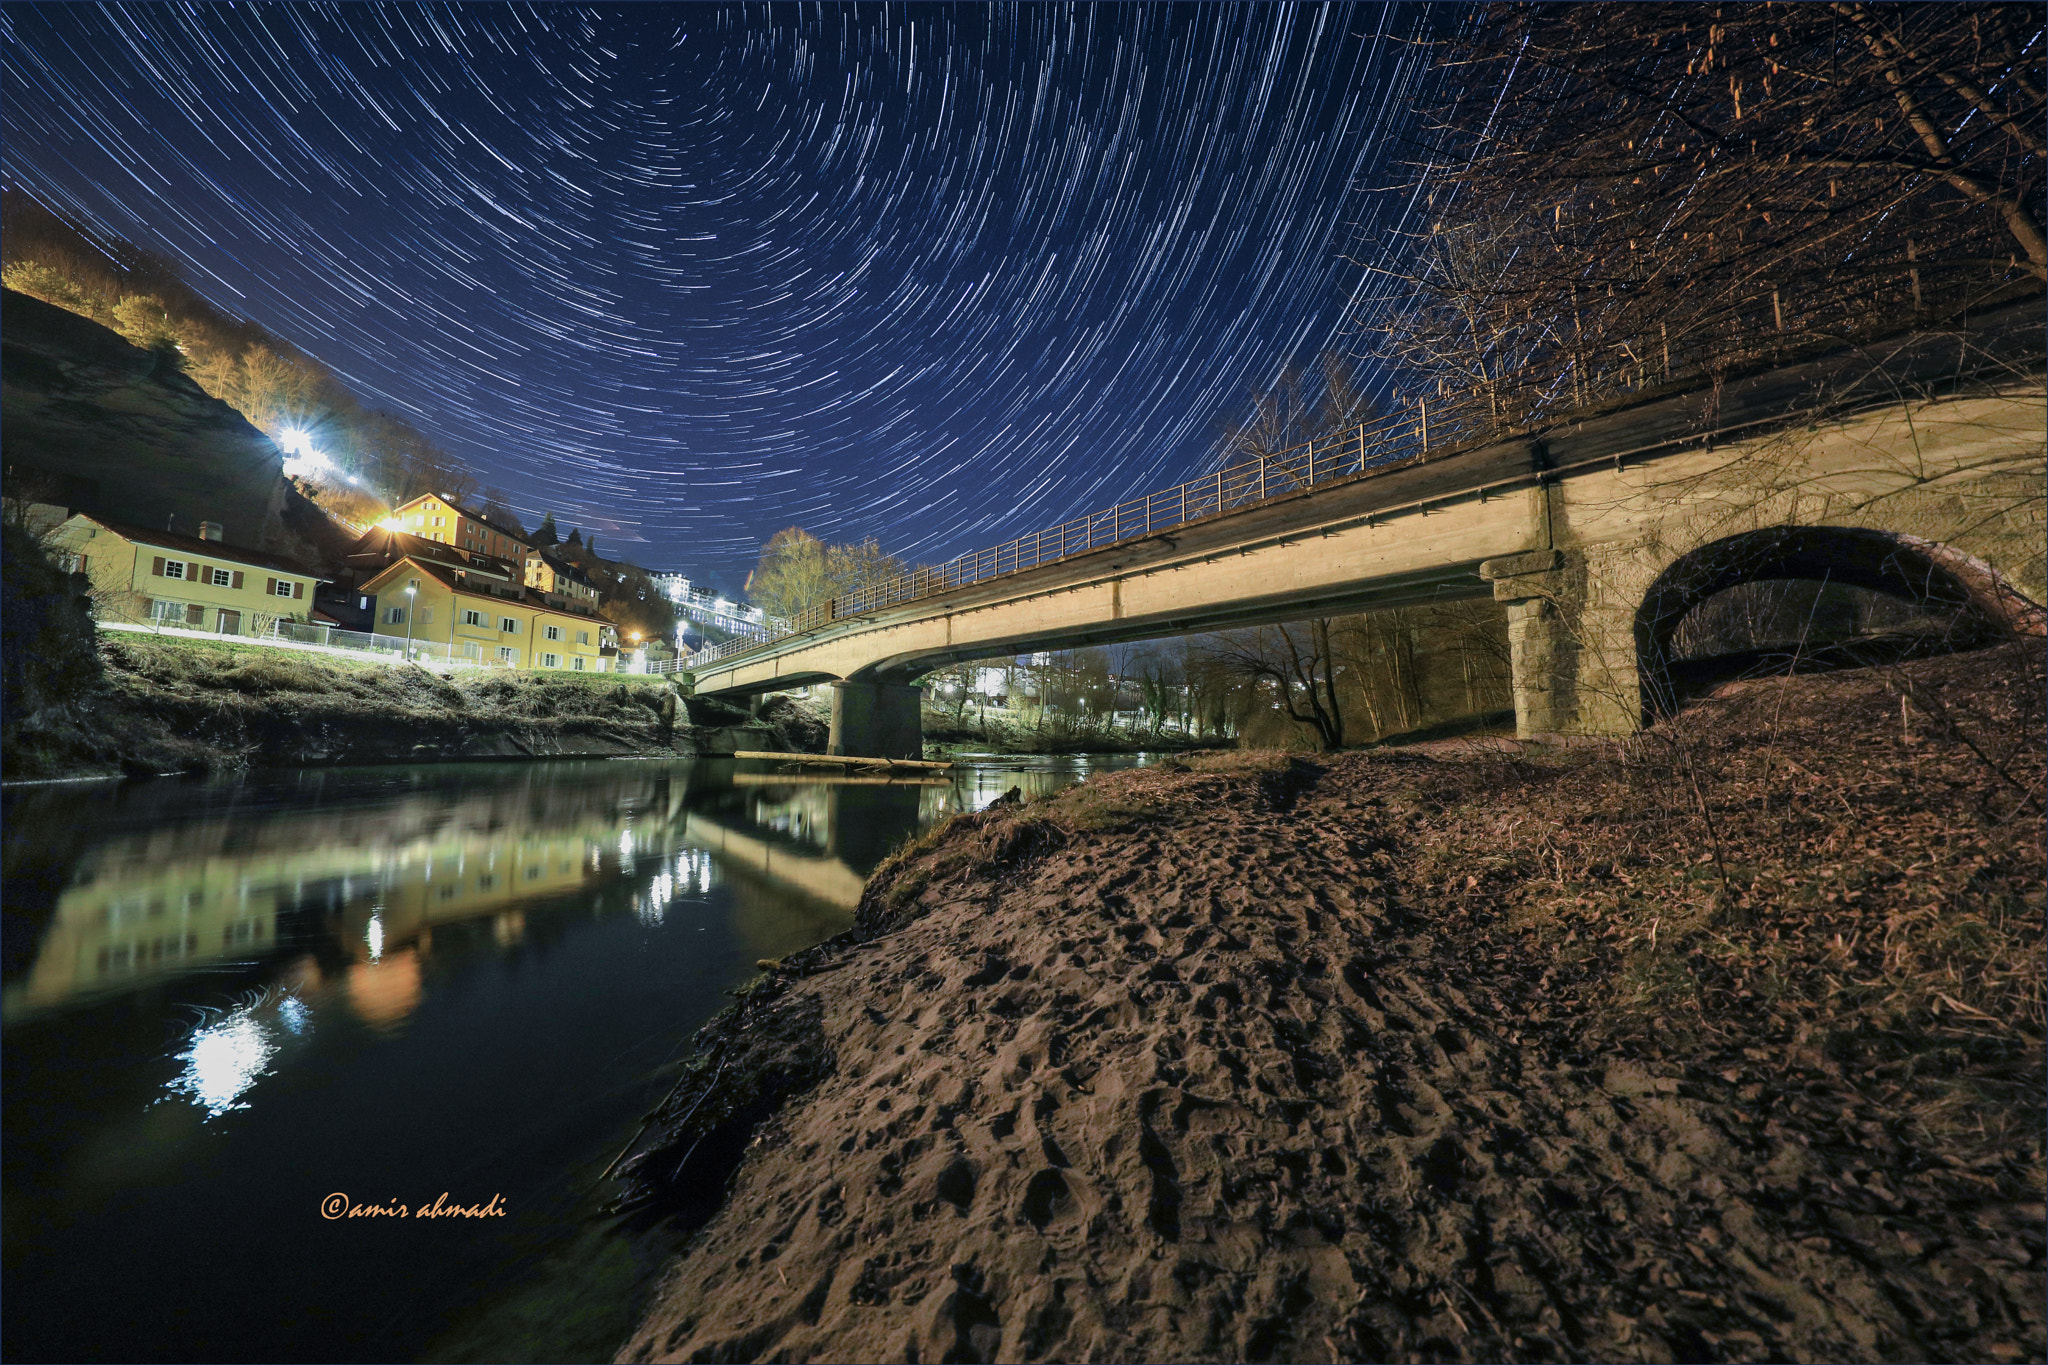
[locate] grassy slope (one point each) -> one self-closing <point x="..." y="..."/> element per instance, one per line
<point x="184" y="705"/>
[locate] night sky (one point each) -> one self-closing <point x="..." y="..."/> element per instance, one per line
<point x="688" y="274"/>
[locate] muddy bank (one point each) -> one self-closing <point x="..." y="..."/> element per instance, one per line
<point x="175" y="707"/>
<point x="1724" y="1043"/>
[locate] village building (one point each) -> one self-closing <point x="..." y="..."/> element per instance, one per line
<point x="484" y="615"/>
<point x="550" y="573"/>
<point x="190" y="582"/>
<point x="439" y="517"/>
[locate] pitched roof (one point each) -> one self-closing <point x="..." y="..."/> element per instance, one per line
<point x="466" y="510"/>
<point x="211" y="549"/>
<point x="564" y="567"/>
<point x="452" y="577"/>
<point x="393" y="544"/>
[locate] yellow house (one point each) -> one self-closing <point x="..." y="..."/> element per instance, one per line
<point x="438" y="517"/>
<point x="549" y="574"/>
<point x="483" y="617"/>
<point x="196" y="583"/>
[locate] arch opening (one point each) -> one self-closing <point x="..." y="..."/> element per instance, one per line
<point x="1824" y="595"/>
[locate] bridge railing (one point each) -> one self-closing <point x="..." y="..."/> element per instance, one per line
<point x="1369" y="445"/>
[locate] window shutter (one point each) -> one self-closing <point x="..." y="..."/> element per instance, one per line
<point x="237" y="580"/>
<point x="157" y="566"/>
<point x="191" y="571"/>
<point x="298" y="590"/>
<point x="270" y="587"/>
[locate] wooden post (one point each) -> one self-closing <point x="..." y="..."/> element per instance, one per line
<point x="1425" y="424"/>
<point x="1913" y="272"/>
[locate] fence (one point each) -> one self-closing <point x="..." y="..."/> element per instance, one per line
<point x="1374" y="445"/>
<point x="352" y="643"/>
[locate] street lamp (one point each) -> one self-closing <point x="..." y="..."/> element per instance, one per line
<point x="412" y="597"/>
<point x="634" y="636"/>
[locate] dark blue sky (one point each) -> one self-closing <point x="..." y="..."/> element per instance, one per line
<point x="687" y="274"/>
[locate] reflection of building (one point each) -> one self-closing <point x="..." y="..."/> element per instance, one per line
<point x="150" y="907"/>
<point x="196" y="583"/>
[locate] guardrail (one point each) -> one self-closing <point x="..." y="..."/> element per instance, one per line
<point x="1370" y="445"/>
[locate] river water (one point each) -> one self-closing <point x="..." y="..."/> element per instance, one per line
<point x="227" y="1003"/>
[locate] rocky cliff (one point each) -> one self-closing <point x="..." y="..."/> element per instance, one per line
<point x="99" y="425"/>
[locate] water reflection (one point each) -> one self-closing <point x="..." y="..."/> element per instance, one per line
<point x="353" y="889"/>
<point x="231" y="996"/>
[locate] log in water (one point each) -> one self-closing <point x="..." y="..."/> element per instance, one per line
<point x="921" y="764"/>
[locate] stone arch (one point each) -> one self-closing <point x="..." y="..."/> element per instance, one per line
<point x="1920" y="571"/>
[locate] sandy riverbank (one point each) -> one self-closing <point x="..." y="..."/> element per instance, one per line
<point x="1722" y="1043"/>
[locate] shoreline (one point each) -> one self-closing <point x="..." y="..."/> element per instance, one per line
<point x="1430" y="1053"/>
<point x="172" y="708"/>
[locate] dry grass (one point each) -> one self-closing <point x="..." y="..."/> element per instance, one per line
<point x="1785" y="876"/>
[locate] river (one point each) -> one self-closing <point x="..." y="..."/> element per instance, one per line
<point x="227" y="1003"/>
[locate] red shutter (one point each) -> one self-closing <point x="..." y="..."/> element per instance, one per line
<point x="157" y="566"/>
<point x="270" y="587"/>
<point x="237" y="579"/>
<point x="298" y="590"/>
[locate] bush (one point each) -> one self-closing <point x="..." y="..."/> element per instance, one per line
<point x="49" y="646"/>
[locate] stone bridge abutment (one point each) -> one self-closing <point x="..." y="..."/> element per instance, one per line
<point x="1596" y="540"/>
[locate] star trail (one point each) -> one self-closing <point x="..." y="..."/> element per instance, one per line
<point x="685" y="275"/>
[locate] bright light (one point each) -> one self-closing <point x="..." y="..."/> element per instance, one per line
<point x="393" y="523"/>
<point x="296" y="442"/>
<point x="224" y="1061"/>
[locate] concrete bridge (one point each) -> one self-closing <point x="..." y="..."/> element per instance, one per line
<point x="1914" y="468"/>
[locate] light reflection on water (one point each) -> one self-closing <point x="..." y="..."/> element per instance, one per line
<point x="238" y="996"/>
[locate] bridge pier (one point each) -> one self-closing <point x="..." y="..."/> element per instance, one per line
<point x="877" y="720"/>
<point x="1570" y="652"/>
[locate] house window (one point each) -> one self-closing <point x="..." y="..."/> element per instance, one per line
<point x="508" y="625"/>
<point x="582" y="637"/>
<point x="440" y="521"/>
<point x="174" y="568"/>
<point x="222" y="577"/>
<point x="507" y="654"/>
<point x="554" y="632"/>
<point x="281" y="588"/>
<point x="551" y="661"/>
<point x="160" y="610"/>
<point x="576" y="663"/>
<point x="394" y="616"/>
<point x="472" y="618"/>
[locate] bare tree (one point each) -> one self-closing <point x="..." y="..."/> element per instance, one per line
<point x="1296" y="660"/>
<point x="1624" y="192"/>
